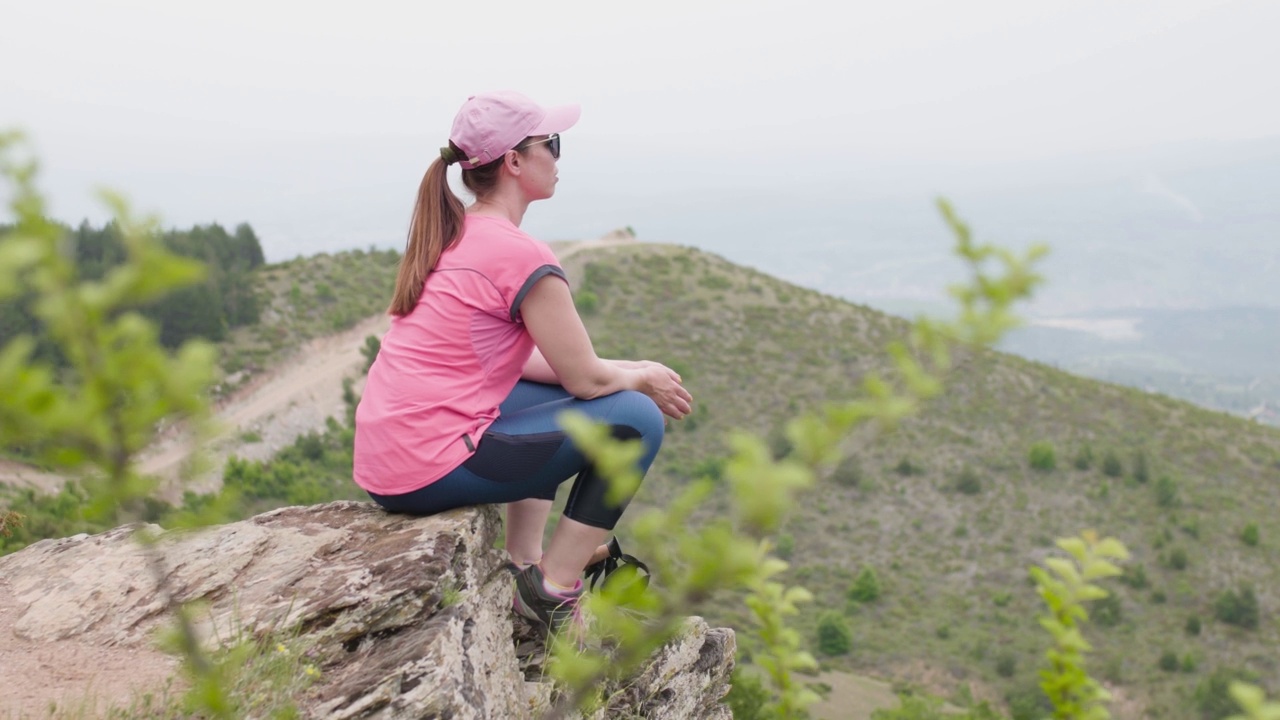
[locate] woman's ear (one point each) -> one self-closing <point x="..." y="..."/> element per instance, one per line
<point x="511" y="161"/>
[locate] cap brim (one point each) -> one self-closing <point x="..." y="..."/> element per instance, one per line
<point x="558" y="119"/>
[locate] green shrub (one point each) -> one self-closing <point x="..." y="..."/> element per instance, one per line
<point x="1212" y="695"/>
<point x="1042" y="456"/>
<point x="1006" y="665"/>
<point x="1135" y="576"/>
<point x="1166" y="492"/>
<point x="1189" y="663"/>
<point x="311" y="445"/>
<point x="834" y="635"/>
<point x="1238" y="608"/>
<point x="747" y="698"/>
<point x="1249" y="536"/>
<point x="866" y="587"/>
<point x="1084" y="458"/>
<point x="1107" y="611"/>
<point x="779" y="444"/>
<point x="1140" y="472"/>
<point x="709" y="467"/>
<point x="586" y="301"/>
<point x="372" y="346"/>
<point x="919" y="706"/>
<point x="1028" y="702"/>
<point x="967" y="482"/>
<point x="906" y="468"/>
<point x="1168" y="661"/>
<point x="786" y="546"/>
<point x="1193" y="625"/>
<point x="1111" y="465"/>
<point x="848" y="473"/>
<point x="1177" y="559"/>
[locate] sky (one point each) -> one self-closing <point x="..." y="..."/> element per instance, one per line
<point x="315" y="121"/>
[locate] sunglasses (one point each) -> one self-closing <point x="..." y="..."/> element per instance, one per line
<point x="553" y="144"/>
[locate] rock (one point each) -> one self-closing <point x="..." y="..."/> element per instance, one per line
<point x="687" y="678"/>
<point x="406" y="617"/>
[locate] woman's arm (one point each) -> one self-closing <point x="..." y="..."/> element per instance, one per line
<point x="551" y="318"/>
<point x="539" y="370"/>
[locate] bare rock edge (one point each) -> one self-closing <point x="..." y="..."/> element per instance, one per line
<point x="405" y="617"/>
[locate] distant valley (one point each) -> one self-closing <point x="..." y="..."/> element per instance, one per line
<point x="1225" y="358"/>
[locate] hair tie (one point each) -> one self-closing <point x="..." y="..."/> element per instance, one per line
<point x="448" y="155"/>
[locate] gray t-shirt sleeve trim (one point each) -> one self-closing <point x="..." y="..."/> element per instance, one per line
<point x="537" y="275"/>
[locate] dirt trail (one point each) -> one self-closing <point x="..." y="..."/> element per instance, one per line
<point x="286" y="401"/>
<point x="565" y="249"/>
<point x="277" y="406"/>
<point x="23" y="476"/>
<point x="256" y="421"/>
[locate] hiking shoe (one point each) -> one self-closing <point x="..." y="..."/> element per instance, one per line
<point x="547" y="608"/>
<point x="599" y="572"/>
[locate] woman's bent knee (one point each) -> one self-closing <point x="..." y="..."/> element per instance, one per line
<point x="639" y="411"/>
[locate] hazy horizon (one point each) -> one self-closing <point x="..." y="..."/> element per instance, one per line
<point x="802" y="141"/>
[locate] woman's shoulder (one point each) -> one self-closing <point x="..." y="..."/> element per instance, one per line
<point x="491" y="231"/>
<point x="496" y="227"/>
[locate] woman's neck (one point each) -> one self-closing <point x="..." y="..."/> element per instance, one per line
<point x="498" y="206"/>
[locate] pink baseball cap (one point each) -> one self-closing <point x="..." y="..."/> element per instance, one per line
<point x="492" y="123"/>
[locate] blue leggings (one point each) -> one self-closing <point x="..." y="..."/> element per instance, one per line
<point x="525" y="454"/>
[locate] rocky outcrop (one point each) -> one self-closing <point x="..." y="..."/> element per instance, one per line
<point x="404" y="618"/>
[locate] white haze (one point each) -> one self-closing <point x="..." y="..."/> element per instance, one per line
<point x="781" y="135"/>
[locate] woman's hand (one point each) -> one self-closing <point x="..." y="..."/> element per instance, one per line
<point x="662" y="384"/>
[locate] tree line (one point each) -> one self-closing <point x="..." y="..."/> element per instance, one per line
<point x="224" y="300"/>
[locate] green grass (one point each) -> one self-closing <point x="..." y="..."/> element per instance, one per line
<point x="751" y="361"/>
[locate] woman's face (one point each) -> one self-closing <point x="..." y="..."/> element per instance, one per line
<point x="538" y="171"/>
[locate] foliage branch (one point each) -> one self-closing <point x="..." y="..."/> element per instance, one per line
<point x="118" y="387"/>
<point x="1065" y="587"/>
<point x="1253" y="701"/>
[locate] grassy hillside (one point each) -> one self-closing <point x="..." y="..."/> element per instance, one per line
<point x="948" y="511"/>
<point x="307" y="298"/>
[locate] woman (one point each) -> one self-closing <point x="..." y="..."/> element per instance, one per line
<point x="486" y="348"/>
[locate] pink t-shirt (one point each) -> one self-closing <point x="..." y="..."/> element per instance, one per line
<point x="444" y="368"/>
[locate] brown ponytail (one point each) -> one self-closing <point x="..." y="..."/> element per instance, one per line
<point x="436" y="224"/>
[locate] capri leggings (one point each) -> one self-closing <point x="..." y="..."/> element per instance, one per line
<point x="525" y="454"/>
